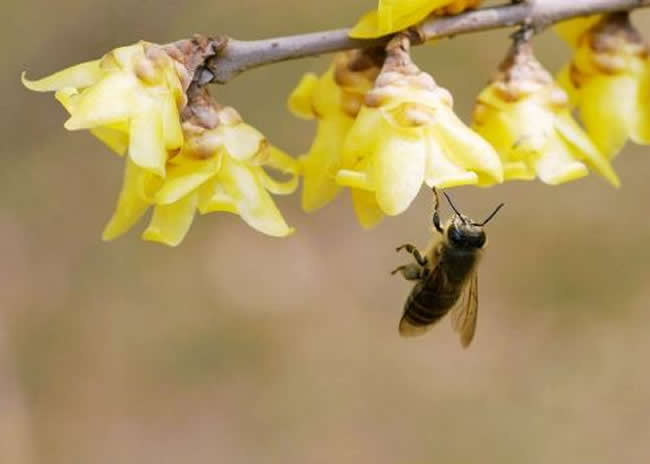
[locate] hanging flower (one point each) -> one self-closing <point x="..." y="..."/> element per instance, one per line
<point x="334" y="99"/>
<point x="608" y="78"/>
<point x="526" y="117"/>
<point x="129" y="99"/>
<point x="395" y="15"/>
<point x="220" y="167"/>
<point x="407" y="133"/>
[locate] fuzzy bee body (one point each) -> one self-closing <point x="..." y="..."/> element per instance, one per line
<point x="446" y="278"/>
<point x="439" y="290"/>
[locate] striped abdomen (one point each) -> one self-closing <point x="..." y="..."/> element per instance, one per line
<point x="436" y="294"/>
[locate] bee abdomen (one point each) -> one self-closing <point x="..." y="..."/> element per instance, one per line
<point x="424" y="307"/>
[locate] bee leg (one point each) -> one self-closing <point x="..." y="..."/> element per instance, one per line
<point x="409" y="271"/>
<point x="421" y="260"/>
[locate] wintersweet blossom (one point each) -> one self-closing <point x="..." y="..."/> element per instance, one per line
<point x="334" y="99"/>
<point x="608" y="78"/>
<point x="130" y="99"/>
<point x="407" y="133"/>
<point x="526" y="117"/>
<point x="395" y="15"/>
<point x="220" y="167"/>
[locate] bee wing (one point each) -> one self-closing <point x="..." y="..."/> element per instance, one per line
<point x="464" y="315"/>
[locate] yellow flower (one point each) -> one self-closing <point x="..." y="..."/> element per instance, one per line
<point x="130" y="99"/>
<point x="219" y="168"/>
<point x="405" y="134"/>
<point x="608" y="79"/>
<point x="334" y="99"/>
<point x="395" y="15"/>
<point x="526" y="117"/>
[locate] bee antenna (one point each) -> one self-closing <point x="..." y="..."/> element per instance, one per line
<point x="452" y="205"/>
<point x="490" y="216"/>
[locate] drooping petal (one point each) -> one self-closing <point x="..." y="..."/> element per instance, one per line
<point x="440" y="172"/>
<point x="300" y="100"/>
<point x="146" y="144"/>
<point x="183" y="178"/>
<point x="555" y="164"/>
<point x="582" y="147"/>
<point x="130" y="205"/>
<point x="171" y="122"/>
<point x="242" y="141"/>
<point x="253" y="202"/>
<point x="610" y="111"/>
<point x="79" y="77"/>
<point x="170" y="223"/>
<point x="107" y="102"/>
<point x="563" y="78"/>
<point x="467" y="148"/>
<point x="397" y="171"/>
<point x="366" y="208"/>
<point x="115" y="136"/>
<point x="213" y="197"/>
<point x="319" y="166"/>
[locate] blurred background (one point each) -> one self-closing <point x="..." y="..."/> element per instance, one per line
<point x="236" y="347"/>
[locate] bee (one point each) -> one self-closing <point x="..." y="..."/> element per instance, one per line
<point x="446" y="275"/>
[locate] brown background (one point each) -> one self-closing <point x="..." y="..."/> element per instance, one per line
<point x="240" y="348"/>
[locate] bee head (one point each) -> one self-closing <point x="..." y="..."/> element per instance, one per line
<point x="462" y="232"/>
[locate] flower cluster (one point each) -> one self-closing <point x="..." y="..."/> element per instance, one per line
<point x="184" y="154"/>
<point x="384" y="126"/>
<point x="526" y="117"/>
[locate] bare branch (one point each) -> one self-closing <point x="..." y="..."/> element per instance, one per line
<point x="238" y="56"/>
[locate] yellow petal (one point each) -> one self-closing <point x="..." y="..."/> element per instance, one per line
<point x="441" y="172"/>
<point x="644" y="104"/>
<point x="367" y="27"/>
<point x="362" y="136"/>
<point x="146" y="144"/>
<point x="319" y="166"/>
<point x="556" y="165"/>
<point x="242" y="141"/>
<point x="253" y="202"/>
<point x="359" y="180"/>
<point x="582" y="147"/>
<point x="213" y="197"/>
<point x="79" y="76"/>
<point x="366" y="208"/>
<point x="171" y="121"/>
<point x="610" y="111"/>
<point x="274" y="186"/>
<point x="170" y="223"/>
<point x="572" y="30"/>
<point x="107" y="102"/>
<point x="563" y="78"/>
<point x="326" y="99"/>
<point x="130" y="205"/>
<point x="466" y="148"/>
<point x="183" y="178"/>
<point x="116" y="140"/>
<point x="300" y="100"/>
<point x="116" y="137"/>
<point x="394" y="15"/>
<point x="397" y="171"/>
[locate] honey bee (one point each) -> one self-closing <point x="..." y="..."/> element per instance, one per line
<point x="446" y="275"/>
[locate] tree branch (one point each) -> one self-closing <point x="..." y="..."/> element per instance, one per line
<point x="238" y="56"/>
